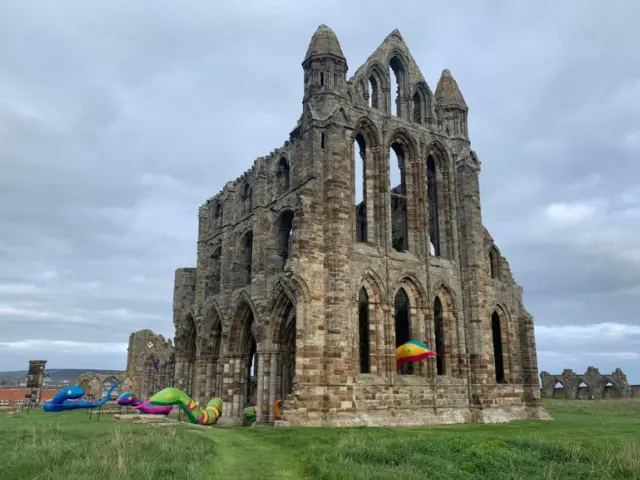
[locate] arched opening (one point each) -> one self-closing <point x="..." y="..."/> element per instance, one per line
<point x="438" y="328"/>
<point x="283" y="175"/>
<point x="243" y="346"/>
<point x="403" y="326"/>
<point x="558" y="391"/>
<point x="210" y="356"/>
<point x="363" y="331"/>
<point x="244" y="260"/>
<point x="397" y="71"/>
<point x="374" y="92"/>
<point x="432" y="195"/>
<point x="247" y="199"/>
<point x="287" y="353"/>
<point x="251" y="381"/>
<point x="106" y="386"/>
<point x="399" y="203"/>
<point x="493" y="263"/>
<point x="498" y="358"/>
<point x="417" y="108"/>
<point x="189" y="354"/>
<point x="360" y="189"/>
<point x="611" y="391"/>
<point x="213" y="278"/>
<point x="583" y="392"/>
<point x="285" y="235"/>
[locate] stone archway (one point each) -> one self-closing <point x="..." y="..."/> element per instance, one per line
<point x="278" y="357"/>
<point x="241" y="360"/>
<point x="287" y="354"/>
<point x="402" y="319"/>
<point x="208" y="365"/>
<point x="186" y="347"/>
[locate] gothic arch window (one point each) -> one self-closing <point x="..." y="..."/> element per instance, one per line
<point x="360" y="187"/>
<point x="403" y="326"/>
<point x="498" y="350"/>
<point x="494" y="263"/>
<point x="363" y="330"/>
<point x="399" y="200"/>
<point x="396" y="65"/>
<point x="285" y="235"/>
<point x="438" y="328"/>
<point x="432" y="195"/>
<point x="283" y="175"/>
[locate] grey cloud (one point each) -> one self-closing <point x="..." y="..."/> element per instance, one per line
<point x="118" y="120"/>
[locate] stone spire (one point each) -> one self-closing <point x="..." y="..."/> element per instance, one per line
<point x="325" y="70"/>
<point x="323" y="42"/>
<point x="447" y="92"/>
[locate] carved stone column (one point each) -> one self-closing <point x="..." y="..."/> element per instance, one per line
<point x="203" y="372"/>
<point x="181" y="367"/>
<point x="265" y="374"/>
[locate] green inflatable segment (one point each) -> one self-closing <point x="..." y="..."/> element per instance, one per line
<point x="251" y="414"/>
<point x="174" y="396"/>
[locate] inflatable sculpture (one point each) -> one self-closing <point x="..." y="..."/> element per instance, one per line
<point x="70" y="399"/>
<point x="412" y="351"/>
<point x="130" y="400"/>
<point x="173" y="396"/>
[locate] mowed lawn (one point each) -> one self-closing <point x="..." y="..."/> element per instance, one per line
<point x="587" y="440"/>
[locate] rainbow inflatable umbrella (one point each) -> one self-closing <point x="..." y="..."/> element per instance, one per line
<point x="412" y="351"/>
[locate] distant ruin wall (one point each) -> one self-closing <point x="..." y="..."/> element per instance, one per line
<point x="150" y="363"/>
<point x="591" y="385"/>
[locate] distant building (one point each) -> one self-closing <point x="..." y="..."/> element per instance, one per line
<point x="15" y="397"/>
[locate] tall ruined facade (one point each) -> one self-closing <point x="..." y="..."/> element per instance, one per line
<point x="312" y="266"/>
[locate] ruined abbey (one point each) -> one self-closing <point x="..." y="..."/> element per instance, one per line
<point x="362" y="231"/>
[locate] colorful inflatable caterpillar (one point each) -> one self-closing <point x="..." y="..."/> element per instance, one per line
<point x="173" y="396"/>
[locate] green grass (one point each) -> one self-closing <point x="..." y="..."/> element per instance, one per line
<point x="588" y="440"/>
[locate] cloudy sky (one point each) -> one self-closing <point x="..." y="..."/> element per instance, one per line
<point x="118" y="119"/>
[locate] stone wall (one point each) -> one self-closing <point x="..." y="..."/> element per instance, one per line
<point x="96" y="385"/>
<point x="150" y="363"/>
<point x="296" y="284"/>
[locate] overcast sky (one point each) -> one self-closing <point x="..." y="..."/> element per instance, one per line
<point x="118" y="119"/>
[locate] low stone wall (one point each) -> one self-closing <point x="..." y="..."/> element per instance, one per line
<point x="410" y="402"/>
<point x="610" y="393"/>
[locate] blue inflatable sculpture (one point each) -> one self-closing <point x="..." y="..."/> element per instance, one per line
<point x="69" y="399"/>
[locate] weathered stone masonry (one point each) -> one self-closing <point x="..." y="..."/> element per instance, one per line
<point x="302" y="291"/>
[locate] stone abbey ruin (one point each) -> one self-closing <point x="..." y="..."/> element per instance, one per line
<point x="591" y="385"/>
<point x="312" y="267"/>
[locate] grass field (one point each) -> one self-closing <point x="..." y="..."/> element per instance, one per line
<point x="587" y="440"/>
